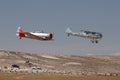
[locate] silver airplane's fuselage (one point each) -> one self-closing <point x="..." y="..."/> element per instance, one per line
<point x="90" y="36"/>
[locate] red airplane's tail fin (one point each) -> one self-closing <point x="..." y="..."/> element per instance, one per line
<point x="20" y="32"/>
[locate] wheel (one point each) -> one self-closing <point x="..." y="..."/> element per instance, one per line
<point x="96" y="41"/>
<point x="20" y="38"/>
<point x="92" y="41"/>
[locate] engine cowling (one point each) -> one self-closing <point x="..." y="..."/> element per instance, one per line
<point x="50" y="36"/>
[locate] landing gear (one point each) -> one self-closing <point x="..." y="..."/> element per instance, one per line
<point x="20" y="38"/>
<point x="94" y="41"/>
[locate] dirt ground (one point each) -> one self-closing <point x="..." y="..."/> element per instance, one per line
<point x="53" y="77"/>
<point x="58" y="67"/>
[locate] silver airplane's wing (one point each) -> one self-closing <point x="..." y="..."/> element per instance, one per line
<point x="89" y="32"/>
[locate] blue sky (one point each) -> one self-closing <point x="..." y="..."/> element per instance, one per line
<point x="55" y="16"/>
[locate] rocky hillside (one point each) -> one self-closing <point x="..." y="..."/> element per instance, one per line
<point x="76" y="64"/>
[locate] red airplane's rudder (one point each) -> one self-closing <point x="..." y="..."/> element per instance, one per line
<point x="20" y="32"/>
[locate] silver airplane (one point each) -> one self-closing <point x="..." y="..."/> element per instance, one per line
<point x="93" y="36"/>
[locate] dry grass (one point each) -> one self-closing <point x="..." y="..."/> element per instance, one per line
<point x="53" y="77"/>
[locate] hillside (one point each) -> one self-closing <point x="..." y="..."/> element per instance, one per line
<point x="60" y="64"/>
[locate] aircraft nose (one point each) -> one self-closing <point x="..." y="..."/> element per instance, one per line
<point x="100" y="35"/>
<point x="51" y="36"/>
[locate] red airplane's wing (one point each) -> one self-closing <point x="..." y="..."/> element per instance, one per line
<point x="29" y="35"/>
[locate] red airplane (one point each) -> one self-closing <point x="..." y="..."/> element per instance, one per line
<point x="43" y="36"/>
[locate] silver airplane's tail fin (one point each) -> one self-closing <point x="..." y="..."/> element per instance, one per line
<point x="68" y="31"/>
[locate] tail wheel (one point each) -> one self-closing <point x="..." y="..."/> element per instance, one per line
<point x="20" y="38"/>
<point x="68" y="34"/>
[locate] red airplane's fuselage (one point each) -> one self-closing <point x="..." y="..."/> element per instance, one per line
<point x="34" y="35"/>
